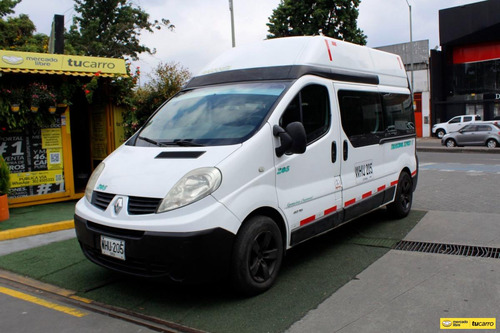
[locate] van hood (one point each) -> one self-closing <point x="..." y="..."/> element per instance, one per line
<point x="152" y="171"/>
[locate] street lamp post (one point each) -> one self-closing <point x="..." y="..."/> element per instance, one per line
<point x="231" y="9"/>
<point x="411" y="50"/>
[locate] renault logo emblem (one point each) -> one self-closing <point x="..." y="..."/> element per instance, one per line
<point x="118" y="205"/>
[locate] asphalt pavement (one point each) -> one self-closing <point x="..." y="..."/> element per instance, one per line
<point x="407" y="291"/>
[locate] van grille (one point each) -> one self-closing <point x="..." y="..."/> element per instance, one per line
<point x="140" y="206"/>
<point x="101" y="200"/>
<point x="136" y="205"/>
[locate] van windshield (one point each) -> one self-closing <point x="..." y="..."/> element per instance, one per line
<point x="218" y="115"/>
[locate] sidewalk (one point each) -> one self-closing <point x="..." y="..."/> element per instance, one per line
<point x="39" y="219"/>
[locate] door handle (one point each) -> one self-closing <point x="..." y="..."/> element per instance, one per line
<point x="334" y="151"/>
<point x="346" y="153"/>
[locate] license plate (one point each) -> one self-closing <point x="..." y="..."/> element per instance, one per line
<point x="113" y="247"/>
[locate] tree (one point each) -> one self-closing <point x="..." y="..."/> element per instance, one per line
<point x="18" y="33"/>
<point x="7" y="6"/>
<point x="110" y="28"/>
<point x="166" y="81"/>
<point x="334" y="18"/>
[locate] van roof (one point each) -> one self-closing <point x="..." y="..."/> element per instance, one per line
<point x="292" y="57"/>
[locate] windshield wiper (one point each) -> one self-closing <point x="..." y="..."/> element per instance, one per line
<point x="183" y="143"/>
<point x="148" y="140"/>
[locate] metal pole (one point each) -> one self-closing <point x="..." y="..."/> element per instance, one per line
<point x="411" y="50"/>
<point x="231" y="9"/>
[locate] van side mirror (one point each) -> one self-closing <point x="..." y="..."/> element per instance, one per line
<point x="293" y="139"/>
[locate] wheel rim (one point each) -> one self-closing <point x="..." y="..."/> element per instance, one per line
<point x="405" y="193"/>
<point x="263" y="256"/>
<point x="450" y="143"/>
<point x="492" y="144"/>
<point x="440" y="134"/>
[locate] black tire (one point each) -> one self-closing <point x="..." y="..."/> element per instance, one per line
<point x="450" y="143"/>
<point x="491" y="143"/>
<point x="401" y="206"/>
<point x="440" y="133"/>
<point x="257" y="256"/>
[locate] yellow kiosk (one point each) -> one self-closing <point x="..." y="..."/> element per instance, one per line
<point x="52" y="160"/>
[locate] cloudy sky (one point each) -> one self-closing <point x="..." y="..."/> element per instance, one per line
<point x="203" y="27"/>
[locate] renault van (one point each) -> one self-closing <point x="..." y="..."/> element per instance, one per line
<point x="271" y="145"/>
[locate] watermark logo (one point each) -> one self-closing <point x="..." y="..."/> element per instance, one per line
<point x="468" y="323"/>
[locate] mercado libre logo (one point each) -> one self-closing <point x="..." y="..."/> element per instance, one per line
<point x="468" y="323"/>
<point x="12" y="60"/>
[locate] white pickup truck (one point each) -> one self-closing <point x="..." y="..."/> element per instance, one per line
<point x="454" y="124"/>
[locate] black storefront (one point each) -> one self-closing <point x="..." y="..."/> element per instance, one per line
<point x="465" y="74"/>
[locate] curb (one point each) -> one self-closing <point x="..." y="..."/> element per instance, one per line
<point x="36" y="230"/>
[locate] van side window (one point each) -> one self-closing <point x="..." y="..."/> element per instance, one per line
<point x="311" y="106"/>
<point x="368" y="117"/>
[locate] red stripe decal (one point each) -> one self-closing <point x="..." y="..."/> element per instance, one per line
<point x="308" y="220"/>
<point x="381" y="188"/>
<point x="394" y="183"/>
<point x="329" y="52"/>
<point x="366" y="195"/>
<point x="400" y="63"/>
<point x="350" y="202"/>
<point x="414" y="173"/>
<point x="331" y="210"/>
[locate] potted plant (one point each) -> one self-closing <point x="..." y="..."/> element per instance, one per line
<point x="40" y="93"/>
<point x="4" y="189"/>
<point x="14" y="97"/>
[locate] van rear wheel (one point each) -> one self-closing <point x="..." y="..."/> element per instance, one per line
<point x="257" y="256"/>
<point x="404" y="195"/>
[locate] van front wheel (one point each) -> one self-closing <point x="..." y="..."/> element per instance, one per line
<point x="404" y="194"/>
<point x="257" y="256"/>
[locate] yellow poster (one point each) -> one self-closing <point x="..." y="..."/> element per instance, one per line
<point x="51" y="138"/>
<point x="36" y="178"/>
<point x="54" y="158"/>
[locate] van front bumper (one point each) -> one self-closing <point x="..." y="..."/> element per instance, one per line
<point x="181" y="256"/>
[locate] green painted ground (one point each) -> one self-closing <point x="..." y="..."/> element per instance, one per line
<point x="40" y="214"/>
<point x="311" y="273"/>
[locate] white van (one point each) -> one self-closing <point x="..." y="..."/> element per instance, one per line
<point x="273" y="144"/>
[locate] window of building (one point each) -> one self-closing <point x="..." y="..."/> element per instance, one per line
<point x="311" y="107"/>
<point x="477" y="77"/>
<point x="368" y="117"/>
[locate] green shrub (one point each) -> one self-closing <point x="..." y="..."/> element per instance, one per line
<point x="4" y="177"/>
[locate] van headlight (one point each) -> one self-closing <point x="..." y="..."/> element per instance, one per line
<point x="195" y="185"/>
<point x="92" y="181"/>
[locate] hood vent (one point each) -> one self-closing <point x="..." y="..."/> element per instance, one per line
<point x="180" y="154"/>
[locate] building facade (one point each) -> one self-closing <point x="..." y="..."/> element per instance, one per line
<point x="465" y="74"/>
<point x="415" y="57"/>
